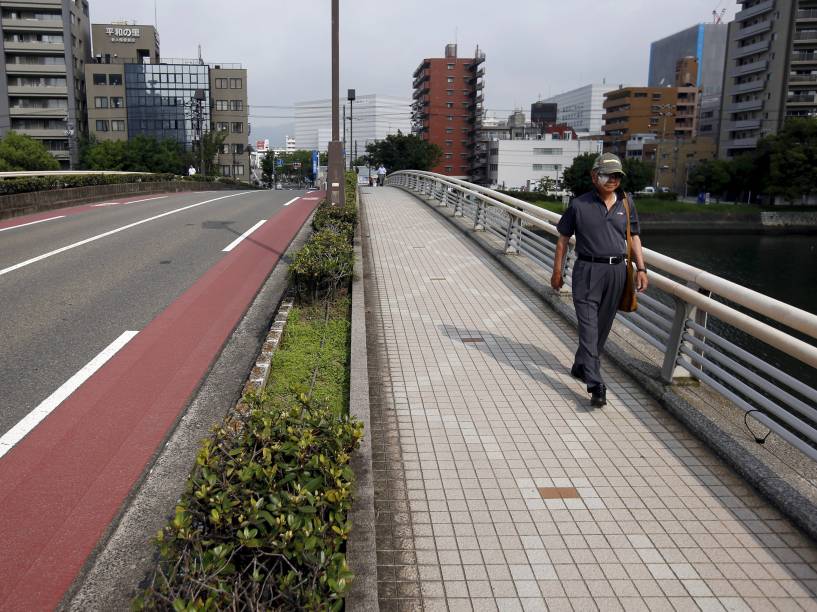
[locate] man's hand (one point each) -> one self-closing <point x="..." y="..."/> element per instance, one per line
<point x="556" y="280"/>
<point x="641" y="281"/>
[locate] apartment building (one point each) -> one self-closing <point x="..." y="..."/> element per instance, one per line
<point x="447" y="111"/>
<point x="668" y="112"/>
<point x="133" y="91"/>
<point x="47" y="44"/>
<point x="771" y="71"/>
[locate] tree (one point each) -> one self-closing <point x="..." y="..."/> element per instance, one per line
<point x="577" y="177"/>
<point x="638" y="174"/>
<point x="545" y="185"/>
<point x="403" y="152"/>
<point x="21" y="152"/>
<point x="792" y="159"/>
<point x="211" y="143"/>
<point x="710" y="175"/>
<point x="268" y="168"/>
<point x="139" y="154"/>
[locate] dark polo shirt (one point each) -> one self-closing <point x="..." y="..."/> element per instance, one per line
<point x="598" y="233"/>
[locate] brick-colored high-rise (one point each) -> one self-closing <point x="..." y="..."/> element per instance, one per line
<point x="447" y="110"/>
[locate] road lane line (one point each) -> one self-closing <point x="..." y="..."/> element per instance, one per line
<point x="291" y="201"/>
<point x="130" y="202"/>
<point x="31" y="223"/>
<point x="238" y="240"/>
<point x="27" y="262"/>
<point x="47" y="406"/>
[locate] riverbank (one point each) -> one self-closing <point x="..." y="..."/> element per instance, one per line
<point x="762" y="222"/>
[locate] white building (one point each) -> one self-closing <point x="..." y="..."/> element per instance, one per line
<point x="289" y="144"/>
<point x="519" y="164"/>
<point x="373" y="117"/>
<point x="635" y="145"/>
<point x="582" y="108"/>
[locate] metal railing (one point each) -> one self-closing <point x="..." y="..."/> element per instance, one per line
<point x="688" y="314"/>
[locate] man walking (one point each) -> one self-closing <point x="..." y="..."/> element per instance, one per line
<point x="381" y="175"/>
<point x="599" y="221"/>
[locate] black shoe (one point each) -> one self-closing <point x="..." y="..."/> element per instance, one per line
<point x="577" y="371"/>
<point x="598" y="396"/>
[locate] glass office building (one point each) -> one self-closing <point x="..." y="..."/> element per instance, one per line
<point x="160" y="100"/>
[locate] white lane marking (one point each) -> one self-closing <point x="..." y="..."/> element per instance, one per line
<point x="291" y="201"/>
<point x="129" y="202"/>
<point x="47" y="406"/>
<point x="31" y="223"/>
<point x="109" y="233"/>
<point x="238" y="240"/>
<point x="310" y="199"/>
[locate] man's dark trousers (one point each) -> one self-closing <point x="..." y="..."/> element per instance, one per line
<point x="597" y="289"/>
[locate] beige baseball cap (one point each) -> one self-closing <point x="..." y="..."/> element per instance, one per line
<point x="608" y="163"/>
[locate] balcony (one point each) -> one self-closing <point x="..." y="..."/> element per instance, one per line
<point x="746" y="124"/>
<point x="806" y="15"/>
<point x="34" y="47"/>
<point x="58" y="69"/>
<point x="801" y="100"/>
<point x="804" y="57"/>
<point x="757" y="85"/>
<point x="802" y="79"/>
<point x="753" y="30"/>
<point x="38" y="113"/>
<point x="742" y="143"/>
<point x="758" y="47"/>
<point x="37" y="90"/>
<point x="754" y="11"/>
<point x="477" y="75"/>
<point x="751" y="68"/>
<point x="423" y="77"/>
<point x="741" y="107"/>
<point x="805" y="37"/>
<point x="420" y="92"/>
<point x="424" y="64"/>
<point x="33" y="25"/>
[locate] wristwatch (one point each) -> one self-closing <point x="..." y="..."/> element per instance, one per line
<point x="644" y="270"/>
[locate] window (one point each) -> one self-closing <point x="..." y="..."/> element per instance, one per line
<point x="221" y="105"/>
<point x="451" y="66"/>
<point x="450" y="79"/>
<point x="101" y="125"/>
<point x="640" y="94"/>
<point x="448" y="155"/>
<point x="449" y="143"/>
<point x="224" y="149"/>
<point x="450" y="118"/>
<point x="541" y="151"/>
<point x="235" y="83"/>
<point x="100" y="79"/>
<point x="221" y="83"/>
<point x="238" y="148"/>
<point x="449" y="130"/>
<point x="117" y="102"/>
<point x="222" y="126"/>
<point x="238" y="170"/>
<point x="449" y="92"/>
<point x="449" y="169"/>
<point x="236" y="105"/>
<point x="237" y="127"/>
<point x="494" y="167"/>
<point x="449" y="104"/>
<point x="100" y="102"/>
<point x="225" y="170"/>
<point x="117" y="126"/>
<point x="114" y="79"/>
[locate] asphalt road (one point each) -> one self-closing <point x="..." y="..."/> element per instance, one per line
<point x="61" y="311"/>
<point x="156" y="287"/>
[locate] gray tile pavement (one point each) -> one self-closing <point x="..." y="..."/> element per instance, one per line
<point x="474" y="411"/>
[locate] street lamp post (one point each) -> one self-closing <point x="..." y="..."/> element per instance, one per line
<point x="335" y="170"/>
<point x="351" y="97"/>
<point x="665" y="110"/>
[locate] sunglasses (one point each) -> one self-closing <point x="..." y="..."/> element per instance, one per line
<point x="617" y="176"/>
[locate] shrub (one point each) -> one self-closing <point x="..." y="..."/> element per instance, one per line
<point x="323" y="266"/>
<point x="262" y="524"/>
<point x="327" y="215"/>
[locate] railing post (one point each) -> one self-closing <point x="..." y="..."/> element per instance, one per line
<point x="671" y="372"/>
<point x="458" y="195"/>
<point x="479" y="217"/>
<point x="513" y="235"/>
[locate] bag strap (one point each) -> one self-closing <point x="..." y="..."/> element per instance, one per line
<point x="629" y="239"/>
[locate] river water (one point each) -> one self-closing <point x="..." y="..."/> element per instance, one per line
<point x="782" y="267"/>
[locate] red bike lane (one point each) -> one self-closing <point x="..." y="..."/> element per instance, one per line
<point x="63" y="484"/>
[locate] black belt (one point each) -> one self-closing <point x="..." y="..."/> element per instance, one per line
<point x="607" y="260"/>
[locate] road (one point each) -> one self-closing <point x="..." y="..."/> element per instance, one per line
<point x="111" y="316"/>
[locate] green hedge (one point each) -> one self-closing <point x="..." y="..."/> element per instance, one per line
<point x="324" y="266"/>
<point x="531" y="196"/>
<point x="44" y="183"/>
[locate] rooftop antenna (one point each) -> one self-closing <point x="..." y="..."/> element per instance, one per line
<point x="456" y="33"/>
<point x="200" y="60"/>
<point x="155" y="14"/>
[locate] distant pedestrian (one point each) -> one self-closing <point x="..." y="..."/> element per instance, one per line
<point x="191" y="171"/>
<point x="381" y="175"/>
<point x="599" y="221"/>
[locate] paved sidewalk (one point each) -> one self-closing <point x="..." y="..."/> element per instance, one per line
<point x="498" y="488"/>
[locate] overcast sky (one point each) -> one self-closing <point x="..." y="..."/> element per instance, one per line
<point x="533" y="47"/>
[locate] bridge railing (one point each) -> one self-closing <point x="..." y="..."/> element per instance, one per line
<point x="694" y="318"/>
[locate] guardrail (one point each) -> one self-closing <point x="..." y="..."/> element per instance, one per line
<point x="675" y="315"/>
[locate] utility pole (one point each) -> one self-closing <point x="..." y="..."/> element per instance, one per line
<point x="344" y="137"/>
<point x="335" y="170"/>
<point x="351" y="97"/>
<point x="665" y="110"/>
<point x="198" y="98"/>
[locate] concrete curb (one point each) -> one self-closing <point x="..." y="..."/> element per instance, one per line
<point x="125" y="556"/>
<point x="361" y="550"/>
<point x="726" y="441"/>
